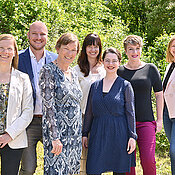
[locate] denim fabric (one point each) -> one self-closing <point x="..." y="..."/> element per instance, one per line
<point x="169" y="126"/>
<point x="10" y="160"/>
<point x="29" y="156"/>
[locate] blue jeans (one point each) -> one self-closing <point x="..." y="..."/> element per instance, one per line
<point x="29" y="156"/>
<point x="169" y="126"/>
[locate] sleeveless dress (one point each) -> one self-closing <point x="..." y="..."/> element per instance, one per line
<point x="61" y="120"/>
<point x="110" y="119"/>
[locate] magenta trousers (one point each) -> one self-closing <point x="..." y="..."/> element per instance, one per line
<point x="146" y="143"/>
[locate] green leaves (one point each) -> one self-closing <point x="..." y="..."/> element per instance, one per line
<point x="78" y="16"/>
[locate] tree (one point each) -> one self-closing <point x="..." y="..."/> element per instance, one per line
<point x="78" y="16"/>
<point x="148" y="18"/>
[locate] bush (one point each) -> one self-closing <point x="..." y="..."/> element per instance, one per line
<point x="157" y="53"/>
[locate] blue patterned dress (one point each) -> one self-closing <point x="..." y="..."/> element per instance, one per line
<point x="61" y="120"/>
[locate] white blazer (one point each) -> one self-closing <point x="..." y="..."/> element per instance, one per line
<point x="19" y="109"/>
<point x="169" y="94"/>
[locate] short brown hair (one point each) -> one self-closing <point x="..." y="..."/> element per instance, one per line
<point x="114" y="51"/>
<point x="67" y="38"/>
<point x="169" y="56"/>
<point x="133" y="40"/>
<point x="16" y="58"/>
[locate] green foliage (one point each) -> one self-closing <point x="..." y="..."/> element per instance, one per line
<point x="132" y="13"/>
<point x="157" y="53"/>
<point x="16" y="17"/>
<point x="160" y="17"/>
<point x="162" y="143"/>
<point x="113" y="20"/>
<point x="79" y="17"/>
<point x="150" y="17"/>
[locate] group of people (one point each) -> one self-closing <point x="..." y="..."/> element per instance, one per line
<point x="94" y="112"/>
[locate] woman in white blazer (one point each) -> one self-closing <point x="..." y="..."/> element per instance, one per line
<point x="169" y="105"/>
<point x="16" y="106"/>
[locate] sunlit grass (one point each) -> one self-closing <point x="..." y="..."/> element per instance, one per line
<point x="162" y="163"/>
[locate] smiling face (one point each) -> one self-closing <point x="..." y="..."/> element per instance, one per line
<point x="133" y="52"/>
<point x="111" y="63"/>
<point x="37" y="36"/>
<point x="92" y="51"/>
<point x="172" y="49"/>
<point x="7" y="51"/>
<point x="67" y="53"/>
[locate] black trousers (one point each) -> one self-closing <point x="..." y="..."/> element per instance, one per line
<point x="119" y="173"/>
<point x="10" y="160"/>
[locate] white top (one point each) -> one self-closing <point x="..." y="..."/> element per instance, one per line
<point x="85" y="83"/>
<point x="169" y="94"/>
<point x="19" y="109"/>
<point x="36" y="67"/>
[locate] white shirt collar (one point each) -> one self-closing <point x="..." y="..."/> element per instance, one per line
<point x="33" y="56"/>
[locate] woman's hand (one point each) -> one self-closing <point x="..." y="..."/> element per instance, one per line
<point x="57" y="147"/>
<point x="131" y="145"/>
<point x="85" y="142"/>
<point x="4" y="139"/>
<point x="158" y="125"/>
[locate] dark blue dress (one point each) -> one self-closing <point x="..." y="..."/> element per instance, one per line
<point x="110" y="119"/>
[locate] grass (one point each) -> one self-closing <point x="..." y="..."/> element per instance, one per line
<point x="162" y="163"/>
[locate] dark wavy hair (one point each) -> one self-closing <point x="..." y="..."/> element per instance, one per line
<point x="114" y="51"/>
<point x="90" y="39"/>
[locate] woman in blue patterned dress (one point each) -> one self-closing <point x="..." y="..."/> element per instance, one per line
<point x="61" y="95"/>
<point x="110" y="119"/>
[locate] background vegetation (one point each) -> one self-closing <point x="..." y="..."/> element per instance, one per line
<point x="113" y="20"/>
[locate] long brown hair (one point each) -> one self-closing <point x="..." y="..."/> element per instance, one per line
<point x="11" y="37"/>
<point x="90" y="39"/>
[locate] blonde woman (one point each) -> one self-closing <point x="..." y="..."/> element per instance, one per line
<point x="144" y="77"/>
<point x="16" y="106"/>
<point x="169" y="95"/>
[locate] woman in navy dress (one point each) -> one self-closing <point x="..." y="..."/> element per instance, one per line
<point x="110" y="119"/>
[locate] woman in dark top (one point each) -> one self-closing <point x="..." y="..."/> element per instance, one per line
<point x="169" y="95"/>
<point x="110" y="119"/>
<point x="143" y="77"/>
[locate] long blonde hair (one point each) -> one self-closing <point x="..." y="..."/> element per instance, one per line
<point x="169" y="56"/>
<point x="16" y="58"/>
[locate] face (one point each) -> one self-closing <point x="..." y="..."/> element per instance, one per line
<point x="67" y="53"/>
<point x="7" y="51"/>
<point x="172" y="49"/>
<point x="111" y="63"/>
<point x="133" y="52"/>
<point x="37" y="36"/>
<point x="92" y="51"/>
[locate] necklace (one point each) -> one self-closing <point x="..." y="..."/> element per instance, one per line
<point x="64" y="71"/>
